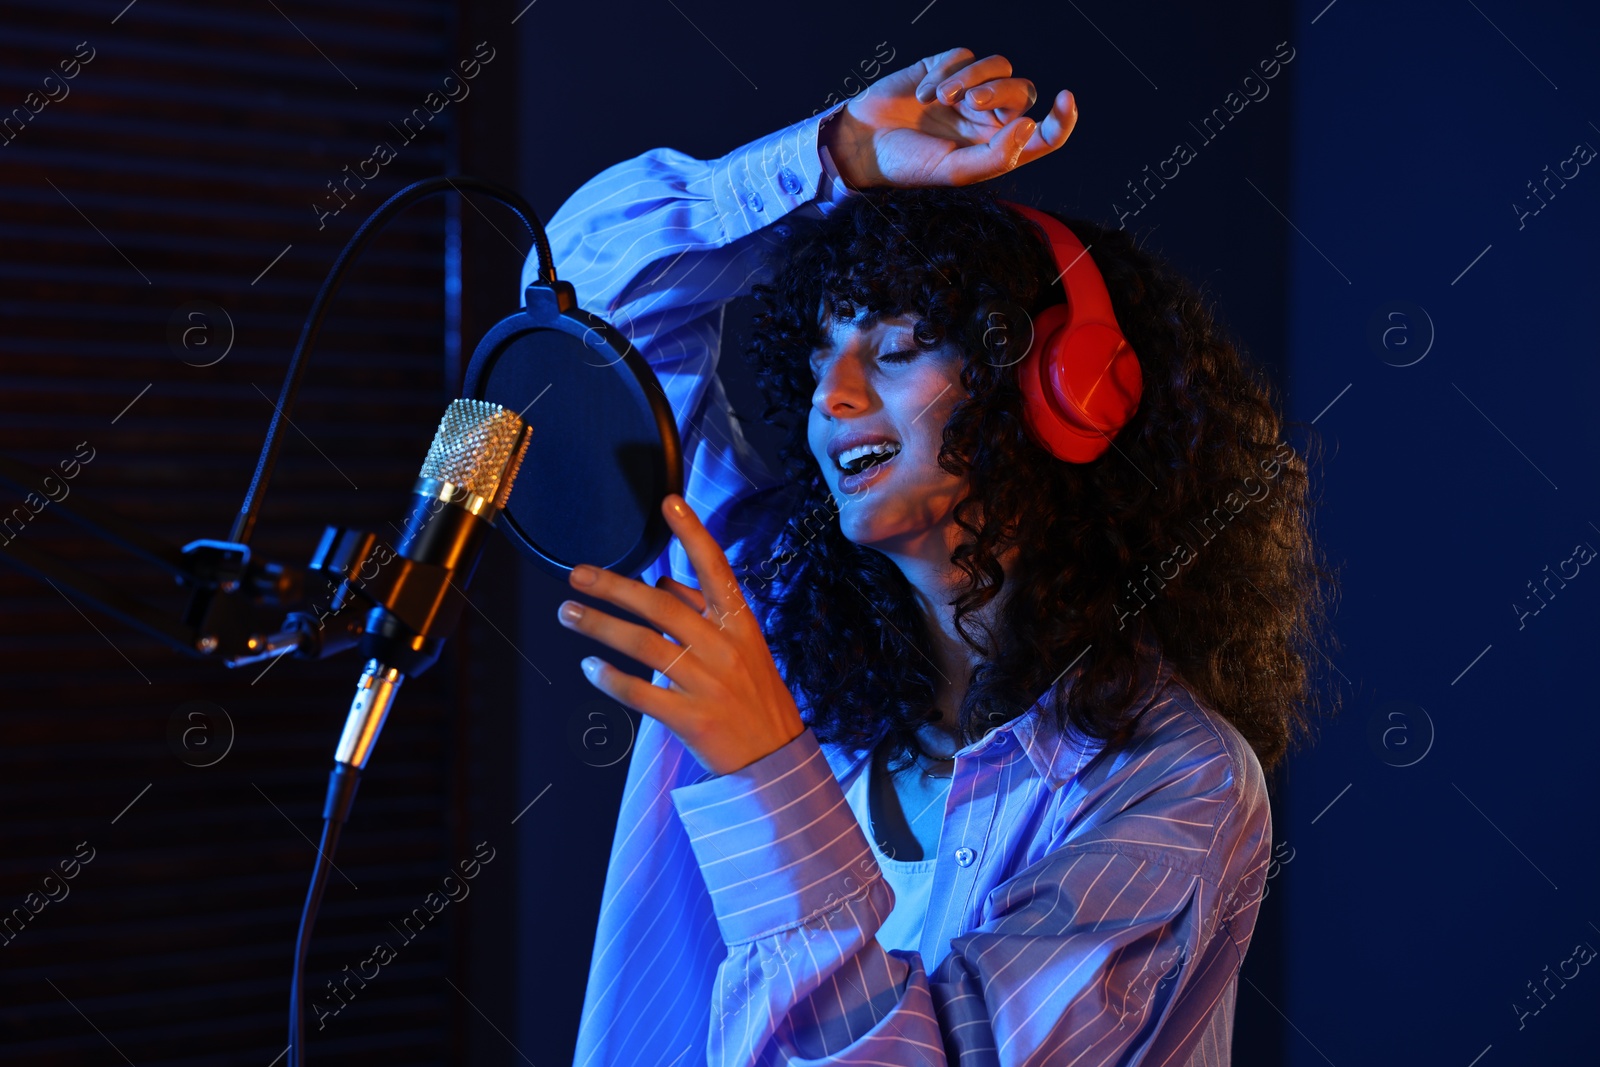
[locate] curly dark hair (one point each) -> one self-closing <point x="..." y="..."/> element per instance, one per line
<point x="1160" y="539"/>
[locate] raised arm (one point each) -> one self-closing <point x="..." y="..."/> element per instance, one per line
<point x="656" y="245"/>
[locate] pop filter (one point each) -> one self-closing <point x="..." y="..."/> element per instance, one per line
<point x="604" y="448"/>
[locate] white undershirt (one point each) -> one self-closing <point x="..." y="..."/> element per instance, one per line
<point x="912" y="882"/>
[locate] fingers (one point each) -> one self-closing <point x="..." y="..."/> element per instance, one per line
<point x="939" y="68"/>
<point x="718" y="584"/>
<point x="660" y="607"/>
<point x="980" y="162"/>
<point x="1004" y="98"/>
<point x="639" y="643"/>
<point x="959" y="76"/>
<point x="686" y="593"/>
<point x="1054" y="130"/>
<point x="638" y="694"/>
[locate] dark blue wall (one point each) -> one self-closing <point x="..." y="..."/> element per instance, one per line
<point x="1421" y="903"/>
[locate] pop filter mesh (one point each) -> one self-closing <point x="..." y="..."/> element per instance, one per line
<point x="591" y="479"/>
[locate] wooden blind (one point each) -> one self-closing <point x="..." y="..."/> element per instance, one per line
<point x="159" y="159"/>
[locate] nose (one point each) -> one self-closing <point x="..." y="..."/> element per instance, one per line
<point x="842" y="389"/>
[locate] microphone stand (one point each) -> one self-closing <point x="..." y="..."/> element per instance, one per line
<point x="226" y="580"/>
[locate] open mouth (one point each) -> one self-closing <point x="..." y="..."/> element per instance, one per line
<point x="864" y="465"/>
<point x="863" y="458"/>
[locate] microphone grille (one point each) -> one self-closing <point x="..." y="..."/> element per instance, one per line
<point x="479" y="447"/>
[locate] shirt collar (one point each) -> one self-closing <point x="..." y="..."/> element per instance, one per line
<point x="1057" y="755"/>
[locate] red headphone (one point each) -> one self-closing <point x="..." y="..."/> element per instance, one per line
<point x="1080" y="378"/>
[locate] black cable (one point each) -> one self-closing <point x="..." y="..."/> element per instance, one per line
<point x="342" y="785"/>
<point x="244" y="522"/>
<point x="345" y="778"/>
<point x="308" y="917"/>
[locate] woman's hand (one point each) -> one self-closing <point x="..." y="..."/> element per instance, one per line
<point x="727" y="702"/>
<point x="946" y="120"/>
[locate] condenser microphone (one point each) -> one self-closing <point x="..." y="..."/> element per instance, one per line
<point x="461" y="490"/>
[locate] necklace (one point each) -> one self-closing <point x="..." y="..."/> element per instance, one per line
<point x="942" y="777"/>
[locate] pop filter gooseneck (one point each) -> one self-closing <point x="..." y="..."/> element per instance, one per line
<point x="244" y="523"/>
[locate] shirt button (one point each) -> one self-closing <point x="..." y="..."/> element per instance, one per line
<point x="753" y="199"/>
<point x="965" y="856"/>
<point x="790" y="183"/>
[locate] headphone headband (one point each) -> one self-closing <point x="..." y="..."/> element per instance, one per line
<point x="1080" y="379"/>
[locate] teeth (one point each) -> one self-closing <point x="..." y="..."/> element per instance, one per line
<point x="849" y="457"/>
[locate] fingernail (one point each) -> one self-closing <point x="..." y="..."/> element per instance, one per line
<point x="952" y="94"/>
<point x="1025" y="130"/>
<point x="981" y="97"/>
<point x="675" y="502"/>
<point x="590" y="665"/>
<point x="583" y="574"/>
<point x="571" y="611"/>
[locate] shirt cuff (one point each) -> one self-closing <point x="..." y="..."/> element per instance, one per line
<point x="833" y="190"/>
<point x="760" y="182"/>
<point x="777" y="842"/>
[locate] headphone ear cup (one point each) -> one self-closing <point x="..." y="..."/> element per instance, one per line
<point x="1079" y="388"/>
<point x="1033" y="375"/>
<point x="1097" y="382"/>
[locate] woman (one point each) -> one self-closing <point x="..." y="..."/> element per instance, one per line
<point x="1023" y="817"/>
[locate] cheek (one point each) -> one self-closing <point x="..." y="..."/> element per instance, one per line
<point x="926" y="411"/>
<point x="816" y="436"/>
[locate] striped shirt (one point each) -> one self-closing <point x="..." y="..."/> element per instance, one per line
<point x="1089" y="906"/>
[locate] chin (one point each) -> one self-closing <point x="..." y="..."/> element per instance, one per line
<point x="886" y="519"/>
<point x="862" y="515"/>
<point x="859" y="529"/>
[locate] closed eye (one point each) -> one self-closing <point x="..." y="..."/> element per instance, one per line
<point x="903" y="355"/>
